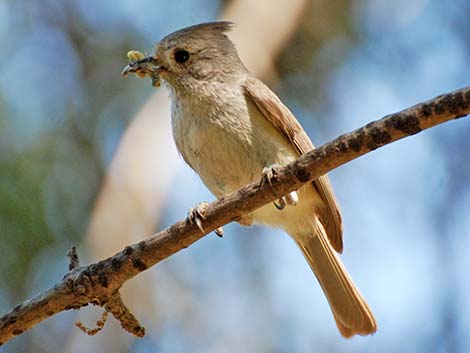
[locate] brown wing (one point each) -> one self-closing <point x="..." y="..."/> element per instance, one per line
<point x="283" y="120"/>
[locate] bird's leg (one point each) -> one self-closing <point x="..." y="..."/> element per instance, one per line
<point x="269" y="174"/>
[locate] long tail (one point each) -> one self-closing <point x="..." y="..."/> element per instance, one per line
<point x="351" y="312"/>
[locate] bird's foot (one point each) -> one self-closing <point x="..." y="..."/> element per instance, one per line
<point x="269" y="174"/>
<point x="290" y="199"/>
<point x="196" y="215"/>
<point x="219" y="232"/>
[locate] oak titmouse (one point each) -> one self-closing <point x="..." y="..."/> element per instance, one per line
<point x="230" y="128"/>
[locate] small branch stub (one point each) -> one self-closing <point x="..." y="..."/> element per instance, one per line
<point x="74" y="262"/>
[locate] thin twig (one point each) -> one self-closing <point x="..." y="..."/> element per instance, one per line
<point x="74" y="262"/>
<point x="121" y="313"/>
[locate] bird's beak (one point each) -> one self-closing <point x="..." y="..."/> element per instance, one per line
<point x="146" y="66"/>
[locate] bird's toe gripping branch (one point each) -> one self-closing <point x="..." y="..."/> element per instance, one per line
<point x="270" y="174"/>
<point x="196" y="215"/>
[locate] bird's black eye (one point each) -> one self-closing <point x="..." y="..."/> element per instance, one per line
<point x="181" y="55"/>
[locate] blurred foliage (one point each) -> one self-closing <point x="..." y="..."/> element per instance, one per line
<point x="53" y="156"/>
<point x="64" y="107"/>
<point x="23" y="229"/>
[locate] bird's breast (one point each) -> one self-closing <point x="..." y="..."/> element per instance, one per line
<point x="227" y="140"/>
<point x="217" y="142"/>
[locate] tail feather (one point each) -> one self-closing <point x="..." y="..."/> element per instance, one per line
<point x="350" y="310"/>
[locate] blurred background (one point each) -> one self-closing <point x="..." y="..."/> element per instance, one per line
<point x="87" y="159"/>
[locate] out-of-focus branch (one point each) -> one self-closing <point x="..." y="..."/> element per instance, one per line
<point x="100" y="283"/>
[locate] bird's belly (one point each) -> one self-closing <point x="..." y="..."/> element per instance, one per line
<point x="224" y="161"/>
<point x="232" y="150"/>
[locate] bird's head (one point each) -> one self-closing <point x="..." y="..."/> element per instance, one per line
<point x="193" y="55"/>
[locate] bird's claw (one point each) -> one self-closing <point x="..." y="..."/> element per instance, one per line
<point x="219" y="232"/>
<point x="292" y="198"/>
<point x="269" y="174"/>
<point x="196" y="215"/>
<point x="281" y="203"/>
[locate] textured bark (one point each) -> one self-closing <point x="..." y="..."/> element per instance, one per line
<point x="99" y="283"/>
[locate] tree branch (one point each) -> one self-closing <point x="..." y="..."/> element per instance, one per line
<point x="99" y="283"/>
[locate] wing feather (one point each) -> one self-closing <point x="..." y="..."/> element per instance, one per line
<point x="284" y="121"/>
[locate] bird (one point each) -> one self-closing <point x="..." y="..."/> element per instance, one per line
<point x="232" y="129"/>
